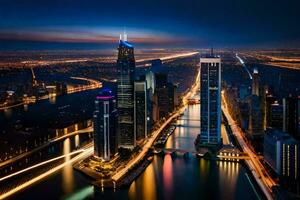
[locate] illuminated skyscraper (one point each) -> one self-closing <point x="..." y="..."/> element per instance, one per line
<point x="210" y="81"/>
<point x="255" y="82"/>
<point x="105" y="122"/>
<point x="125" y="93"/>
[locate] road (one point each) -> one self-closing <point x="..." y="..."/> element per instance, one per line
<point x="23" y="155"/>
<point x="243" y="63"/>
<point x="85" y="152"/>
<point x="258" y="170"/>
<point x="156" y="133"/>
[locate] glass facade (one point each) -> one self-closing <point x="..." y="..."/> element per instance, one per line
<point x="210" y="95"/>
<point x="125" y="94"/>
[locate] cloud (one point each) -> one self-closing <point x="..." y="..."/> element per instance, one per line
<point x="87" y="35"/>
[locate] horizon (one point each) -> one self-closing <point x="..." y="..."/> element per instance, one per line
<point x="89" y="25"/>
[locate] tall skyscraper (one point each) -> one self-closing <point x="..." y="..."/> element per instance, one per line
<point x="125" y="93"/>
<point x="210" y="95"/>
<point x="255" y="82"/>
<point x="105" y="123"/>
<point x="276" y="116"/>
<point x="140" y="109"/>
<point x="290" y="115"/>
<point x="281" y="153"/>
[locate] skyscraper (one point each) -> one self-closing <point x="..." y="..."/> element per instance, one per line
<point x="125" y="93"/>
<point x="105" y="122"/>
<point x="210" y="95"/>
<point x="255" y="82"/>
<point x="140" y="109"/>
<point x="290" y="115"/>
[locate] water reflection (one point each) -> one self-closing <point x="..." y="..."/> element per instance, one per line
<point x="144" y="187"/>
<point x="67" y="174"/>
<point x="77" y="141"/>
<point x="84" y="193"/>
<point x="25" y="107"/>
<point x="52" y="99"/>
<point x="8" y="113"/>
<point x="168" y="176"/>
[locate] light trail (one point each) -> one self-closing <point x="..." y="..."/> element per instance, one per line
<point x="258" y="170"/>
<point x="244" y="65"/>
<point x="14" y="159"/>
<point x="164" y="58"/>
<point x="87" y="152"/>
<point x="40" y="164"/>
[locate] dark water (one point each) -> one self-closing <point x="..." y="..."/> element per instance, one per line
<point x="165" y="178"/>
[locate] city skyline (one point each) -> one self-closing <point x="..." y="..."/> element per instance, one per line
<point x="153" y="100"/>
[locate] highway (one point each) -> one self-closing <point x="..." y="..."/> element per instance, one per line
<point x="93" y="84"/>
<point x="85" y="152"/>
<point x="14" y="159"/>
<point x="243" y="63"/>
<point x="156" y="133"/>
<point x="258" y="170"/>
<point x="40" y="164"/>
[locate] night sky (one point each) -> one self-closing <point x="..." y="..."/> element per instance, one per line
<point x="75" y="24"/>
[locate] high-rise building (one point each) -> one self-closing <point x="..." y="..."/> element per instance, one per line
<point x="161" y="80"/>
<point x="125" y="93"/>
<point x="210" y="95"/>
<point x="140" y="110"/>
<point x="281" y="153"/>
<point x="298" y="105"/>
<point x="255" y="82"/>
<point x="270" y="99"/>
<point x="276" y="116"/>
<point x="150" y="79"/>
<point x="290" y="116"/>
<point x="105" y="123"/>
<point x="255" y="118"/>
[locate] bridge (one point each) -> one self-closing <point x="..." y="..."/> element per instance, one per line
<point x="193" y="101"/>
<point x="226" y="153"/>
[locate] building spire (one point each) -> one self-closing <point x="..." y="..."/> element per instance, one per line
<point x="125" y="35"/>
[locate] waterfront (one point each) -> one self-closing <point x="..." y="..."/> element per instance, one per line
<point x="166" y="177"/>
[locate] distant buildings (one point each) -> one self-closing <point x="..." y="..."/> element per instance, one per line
<point x="140" y="110"/>
<point x="281" y="153"/>
<point x="125" y="93"/>
<point x="105" y="125"/>
<point x="165" y="96"/>
<point x="210" y="95"/>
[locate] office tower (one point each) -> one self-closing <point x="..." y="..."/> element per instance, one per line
<point x="281" y="153"/>
<point x="276" y="116"/>
<point x="105" y="123"/>
<point x="161" y="80"/>
<point x="255" y="82"/>
<point x="156" y="66"/>
<point x="298" y="108"/>
<point x="270" y="99"/>
<point x="125" y="93"/>
<point x="150" y="79"/>
<point x="140" y="109"/>
<point x="210" y="95"/>
<point x="164" y="96"/>
<point x="290" y="116"/>
<point x="255" y="118"/>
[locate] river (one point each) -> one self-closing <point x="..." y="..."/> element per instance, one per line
<point x="166" y="177"/>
